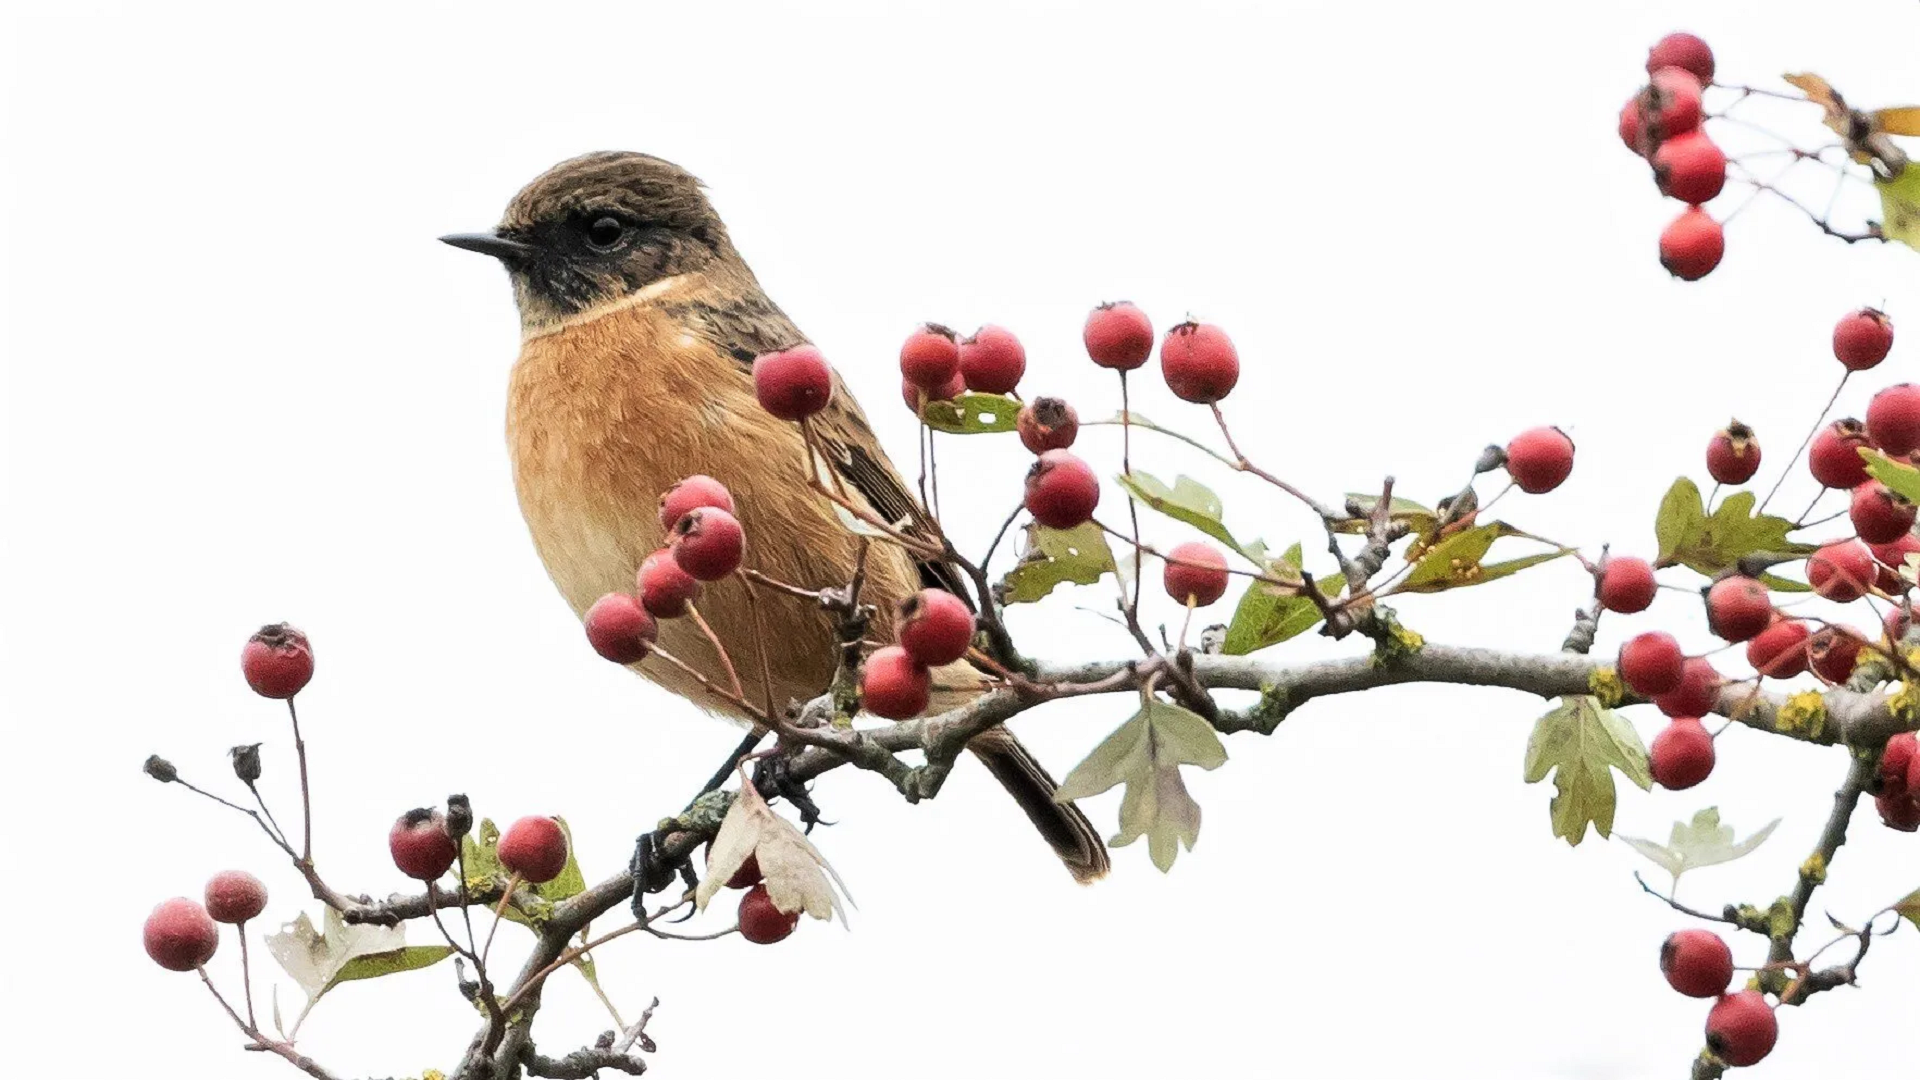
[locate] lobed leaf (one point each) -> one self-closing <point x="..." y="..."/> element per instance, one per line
<point x="1701" y="842"/>
<point x="1582" y="744"/>
<point x="1145" y="754"/>
<point x="1190" y="501"/>
<point x="1268" y="614"/>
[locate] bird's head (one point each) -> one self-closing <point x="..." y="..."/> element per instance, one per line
<point x="598" y="228"/>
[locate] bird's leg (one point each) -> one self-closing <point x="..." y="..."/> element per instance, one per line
<point x="652" y="873"/>
<point x="772" y="777"/>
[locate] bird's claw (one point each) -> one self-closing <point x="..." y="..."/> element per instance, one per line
<point x="773" y="776"/>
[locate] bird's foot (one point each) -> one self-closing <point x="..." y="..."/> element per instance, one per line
<point x="773" y="776"/>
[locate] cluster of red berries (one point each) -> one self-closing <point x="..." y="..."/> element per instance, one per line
<point x="534" y="849"/>
<point x="180" y="934"/>
<point x="933" y="627"/>
<point x="1741" y="1027"/>
<point x="1662" y="123"/>
<point x="704" y="543"/>
<point x="760" y="921"/>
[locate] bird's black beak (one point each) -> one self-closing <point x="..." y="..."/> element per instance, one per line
<point x="491" y="243"/>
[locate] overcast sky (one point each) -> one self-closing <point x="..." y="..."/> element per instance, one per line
<point x="243" y="384"/>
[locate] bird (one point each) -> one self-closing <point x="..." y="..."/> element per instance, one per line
<point x="640" y="322"/>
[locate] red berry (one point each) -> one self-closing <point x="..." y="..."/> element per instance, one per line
<point x="689" y="494"/>
<point x="1681" y="755"/>
<point x="761" y="922"/>
<point x="1733" y="456"/>
<point x="931" y="357"/>
<point x="1062" y="491"/>
<point x="1690" y="168"/>
<point x="1632" y="131"/>
<point x="234" y="896"/>
<point x="1893" y="420"/>
<point x="915" y="397"/>
<point x="1626" y="585"/>
<point x="1047" y="423"/>
<point x="935" y="627"/>
<point x="793" y="384"/>
<point x="420" y="845"/>
<point x="1899" y="813"/>
<point x="619" y="629"/>
<point x="1738" y="608"/>
<point x="1833" y="652"/>
<point x="665" y="589"/>
<point x="1896" y="765"/>
<point x="1697" y="963"/>
<point x="1199" y="362"/>
<point x="893" y="686"/>
<point x="1670" y="105"/>
<point x="1196" y="572"/>
<point x="1683" y="51"/>
<point x="1861" y="339"/>
<point x="1842" y="572"/>
<point x="1691" y="245"/>
<point x="1540" y="459"/>
<point x="1741" y="1028"/>
<point x="1118" y="335"/>
<point x="1651" y="663"/>
<point x="1834" y="457"/>
<point x="1879" y="515"/>
<point x="277" y="661"/>
<point x="1897" y="622"/>
<point x="1892" y="558"/>
<point x="534" y="848"/>
<point x="747" y="876"/>
<point x="1697" y="693"/>
<point x="992" y="361"/>
<point x="708" y="543"/>
<point x="179" y="935"/>
<point x="1780" y="651"/>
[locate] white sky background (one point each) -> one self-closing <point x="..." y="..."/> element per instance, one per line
<point x="243" y="383"/>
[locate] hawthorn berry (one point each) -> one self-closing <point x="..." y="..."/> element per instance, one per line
<point x="1833" y="652"/>
<point x="1834" y="455"/>
<point x="277" y="661"/>
<point x="1697" y="693"/>
<point x="1199" y="362"/>
<point x="708" y="543"/>
<point x="234" y="896"/>
<point x="691" y="493"/>
<point x="1780" y="651"/>
<point x="1540" y="459"/>
<point x="1896" y="772"/>
<point x="1879" y="516"/>
<point x="1738" y="608"/>
<point x="665" y="589"/>
<point x="1741" y="1028"/>
<point x="761" y="922"/>
<point x="535" y="848"/>
<point x="1892" y="557"/>
<point x="1893" y="420"/>
<point x="1670" y="104"/>
<point x="893" y="686"/>
<point x="1691" y="245"/>
<point x="179" y="934"/>
<point x="1196" y="573"/>
<point x="1843" y="571"/>
<point x="1861" y="339"/>
<point x="1899" y="813"/>
<point x="619" y="629"/>
<point x="935" y="627"/>
<point x="1898" y="623"/>
<point x="1681" y="755"/>
<point x="1062" y="491"/>
<point x="930" y="358"/>
<point x="1651" y="663"/>
<point x="1626" y="585"/>
<point x="992" y="361"/>
<point x="1690" y="168"/>
<point x="1632" y="129"/>
<point x="1697" y="963"/>
<point x="792" y="384"/>
<point x="420" y="844"/>
<point x="916" y="397"/>
<point x="1118" y="335"/>
<point x="1683" y="51"/>
<point x="1047" y="423"/>
<point x="748" y="874"/>
<point x="1733" y="455"/>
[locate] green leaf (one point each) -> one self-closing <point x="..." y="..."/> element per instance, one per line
<point x="1909" y="909"/>
<point x="1057" y="556"/>
<point x="1419" y="519"/>
<point x="1713" y="544"/>
<point x="1190" y="501"/>
<point x="972" y="414"/>
<point x="1681" y="520"/>
<point x="480" y="854"/>
<point x="1454" y="563"/>
<point x="1899" y="477"/>
<point x="317" y="962"/>
<point x="374" y="965"/>
<point x="1268" y="614"/>
<point x="1701" y="842"/>
<point x="1579" y="742"/>
<point x="1145" y="754"/>
<point x="1900" y="207"/>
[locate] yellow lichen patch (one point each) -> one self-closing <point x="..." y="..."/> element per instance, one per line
<point x="1604" y="683"/>
<point x="1904" y="703"/>
<point x="1804" y="714"/>
<point x="1814" y="869"/>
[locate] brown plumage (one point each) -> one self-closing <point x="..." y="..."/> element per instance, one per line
<point x="639" y="324"/>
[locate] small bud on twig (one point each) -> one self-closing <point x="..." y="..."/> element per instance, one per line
<point x="246" y="763"/>
<point x="161" y="769"/>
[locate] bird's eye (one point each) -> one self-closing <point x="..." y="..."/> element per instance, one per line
<point x="605" y="233"/>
